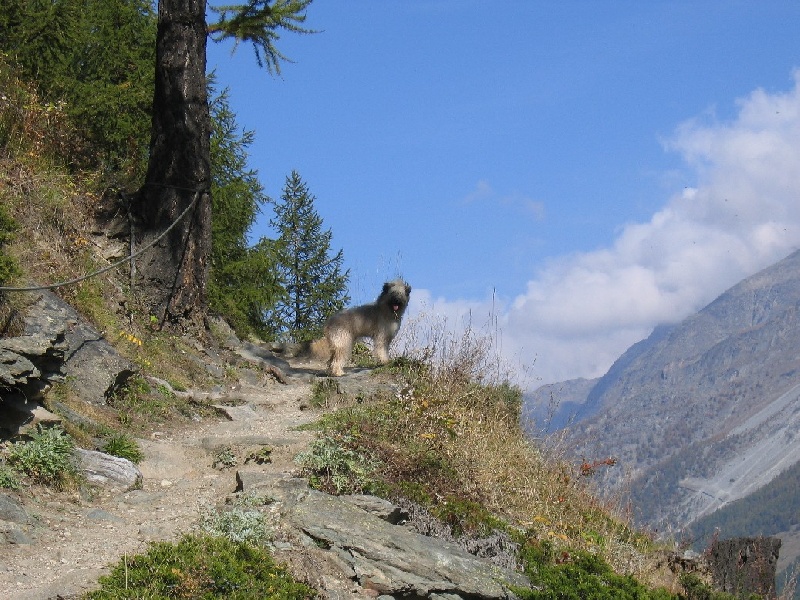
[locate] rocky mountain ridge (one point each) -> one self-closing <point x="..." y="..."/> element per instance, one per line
<point x="701" y="412"/>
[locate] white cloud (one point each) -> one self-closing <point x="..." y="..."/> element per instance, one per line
<point x="742" y="214"/>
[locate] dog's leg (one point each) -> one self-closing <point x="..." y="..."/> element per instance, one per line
<point x="341" y="347"/>
<point x="381" y="348"/>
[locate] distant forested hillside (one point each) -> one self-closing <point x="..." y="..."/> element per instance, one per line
<point x="770" y="510"/>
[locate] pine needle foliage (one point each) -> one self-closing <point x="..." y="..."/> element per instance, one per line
<point x="243" y="282"/>
<point x="96" y="57"/>
<point x="314" y="285"/>
<point x="260" y="22"/>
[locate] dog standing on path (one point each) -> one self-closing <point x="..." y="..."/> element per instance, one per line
<point x="379" y="321"/>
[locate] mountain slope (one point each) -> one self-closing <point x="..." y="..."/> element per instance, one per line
<point x="556" y="405"/>
<point x="703" y="412"/>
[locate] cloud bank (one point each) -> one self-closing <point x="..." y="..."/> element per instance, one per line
<point x="741" y="214"/>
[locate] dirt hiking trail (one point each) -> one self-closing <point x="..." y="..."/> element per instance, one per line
<point x="76" y="537"/>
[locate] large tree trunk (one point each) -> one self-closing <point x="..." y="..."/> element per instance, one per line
<point x="172" y="276"/>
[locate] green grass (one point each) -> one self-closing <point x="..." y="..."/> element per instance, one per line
<point x="123" y="446"/>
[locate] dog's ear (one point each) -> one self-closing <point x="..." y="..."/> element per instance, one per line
<point x="408" y="290"/>
<point x="386" y="287"/>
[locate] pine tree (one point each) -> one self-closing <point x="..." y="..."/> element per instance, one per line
<point x="243" y="281"/>
<point x="97" y="57"/>
<point x="313" y="282"/>
<point x="174" y="276"/>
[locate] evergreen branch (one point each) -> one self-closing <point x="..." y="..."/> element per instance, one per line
<point x="259" y="23"/>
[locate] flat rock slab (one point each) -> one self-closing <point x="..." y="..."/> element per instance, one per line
<point x="390" y="559"/>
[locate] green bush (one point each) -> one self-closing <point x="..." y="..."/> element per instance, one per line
<point x="200" y="567"/>
<point x="8" y="479"/>
<point x="695" y="589"/>
<point x="579" y="576"/>
<point x="46" y="458"/>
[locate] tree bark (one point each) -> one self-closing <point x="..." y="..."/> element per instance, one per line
<point x="172" y="276"/>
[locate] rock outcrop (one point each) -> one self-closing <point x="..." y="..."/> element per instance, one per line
<point x="55" y="342"/>
<point x="356" y="537"/>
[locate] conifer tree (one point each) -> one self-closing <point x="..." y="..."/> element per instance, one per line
<point x="313" y="282"/>
<point x="243" y="281"/>
<point x="97" y="57"/>
<point x="174" y="275"/>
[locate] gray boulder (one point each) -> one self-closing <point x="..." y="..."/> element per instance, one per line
<point x="55" y="342"/>
<point x="110" y="472"/>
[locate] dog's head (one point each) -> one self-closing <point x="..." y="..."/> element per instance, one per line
<point x="395" y="295"/>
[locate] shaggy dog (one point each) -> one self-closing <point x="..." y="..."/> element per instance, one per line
<point x="379" y="321"/>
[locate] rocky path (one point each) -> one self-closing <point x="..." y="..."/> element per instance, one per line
<point x="72" y="543"/>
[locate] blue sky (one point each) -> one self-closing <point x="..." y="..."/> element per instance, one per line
<point x="574" y="171"/>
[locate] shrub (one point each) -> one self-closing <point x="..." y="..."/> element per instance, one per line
<point x="8" y="479"/>
<point x="580" y="576"/>
<point x="201" y="567"/>
<point x="224" y="458"/>
<point x="238" y="524"/>
<point x="8" y="266"/>
<point x="27" y="122"/>
<point x="46" y="458"/>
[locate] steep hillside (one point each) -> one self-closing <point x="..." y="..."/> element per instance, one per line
<point x="703" y="412"/>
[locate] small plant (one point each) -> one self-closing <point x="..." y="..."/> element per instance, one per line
<point x="323" y="391"/>
<point x="238" y="524"/>
<point x="362" y="356"/>
<point x="333" y="467"/>
<point x="46" y="458"/>
<point x="252" y="500"/>
<point x="224" y="458"/>
<point x="260" y="457"/>
<point x="124" y="446"/>
<point x="8" y="479"/>
<point x="201" y="567"/>
<point x="165" y="390"/>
